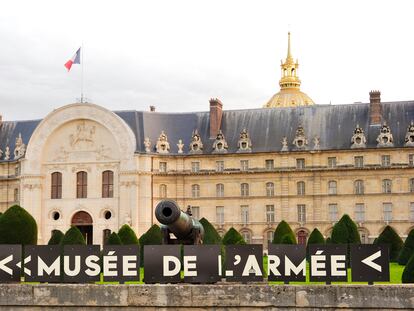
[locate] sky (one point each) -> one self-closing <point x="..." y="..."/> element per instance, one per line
<point x="176" y="55"/>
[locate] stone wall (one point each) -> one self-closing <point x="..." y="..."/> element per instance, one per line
<point x="203" y="297"/>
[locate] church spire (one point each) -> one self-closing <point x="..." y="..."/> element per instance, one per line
<point x="289" y="55"/>
<point x="289" y="68"/>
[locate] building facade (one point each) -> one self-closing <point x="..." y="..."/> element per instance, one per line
<point x="249" y="169"/>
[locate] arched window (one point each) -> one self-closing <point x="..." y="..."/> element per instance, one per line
<point x="386" y="186"/>
<point x="244" y="190"/>
<point x="301" y="188"/>
<point x="105" y="236"/>
<point x="246" y="236"/>
<point x="220" y="190"/>
<point x="270" y="189"/>
<point x="16" y="194"/>
<point x="411" y="185"/>
<point x="56" y="189"/>
<point x="195" y="191"/>
<point x="163" y="191"/>
<point x="359" y="186"/>
<point x="108" y="184"/>
<point x="332" y="187"/>
<point x="81" y="185"/>
<point x="302" y="236"/>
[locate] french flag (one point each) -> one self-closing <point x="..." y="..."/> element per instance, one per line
<point x="74" y="60"/>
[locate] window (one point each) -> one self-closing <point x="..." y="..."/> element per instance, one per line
<point x="412" y="211"/>
<point x="195" y="191"/>
<point x="244" y="214"/>
<point x="269" y="237"/>
<point x="220" y="190"/>
<point x="108" y="184"/>
<point x="332" y="187"/>
<point x="195" y="212"/>
<point x="386" y="186"/>
<point x="16" y="194"/>
<point x="105" y="236"/>
<point x="270" y="165"/>
<point x="387" y="208"/>
<point x="359" y="187"/>
<point x="411" y="185"/>
<point x="163" y="191"/>
<point x="302" y="213"/>
<point x="333" y="212"/>
<point x="332" y="162"/>
<point x="244" y="165"/>
<point x="300" y="164"/>
<point x="411" y="159"/>
<point x="56" y="185"/>
<point x="359" y="161"/>
<point x="301" y="188"/>
<point x="81" y="185"/>
<point x="270" y="189"/>
<point x="363" y="236"/>
<point x="385" y="160"/>
<point x="244" y="190"/>
<point x="195" y="167"/>
<point x="359" y="212"/>
<point x="163" y="167"/>
<point x="220" y="215"/>
<point x="219" y="166"/>
<point x="270" y="213"/>
<point x="246" y="236"/>
<point x="302" y="236"/>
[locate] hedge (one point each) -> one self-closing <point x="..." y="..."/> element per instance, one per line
<point x="153" y="236"/>
<point x="114" y="239"/>
<point x="282" y="229"/>
<point x="389" y="236"/>
<point x="128" y="236"/>
<point x="56" y="237"/>
<point x="345" y="231"/>
<point x="211" y="236"/>
<point x="17" y="226"/>
<point x="73" y="237"/>
<point x="233" y="237"/>
<point x="408" y="273"/>
<point x="407" y="250"/>
<point x="288" y="239"/>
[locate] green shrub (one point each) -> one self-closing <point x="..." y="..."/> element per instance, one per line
<point x="328" y="240"/>
<point x="315" y="237"/>
<point x="288" y="239"/>
<point x="389" y="236"/>
<point x="345" y="231"/>
<point x="211" y="235"/>
<point x="17" y="226"/>
<point x="408" y="273"/>
<point x="233" y="237"/>
<point x="282" y="229"/>
<point x="56" y="237"/>
<point x="407" y="250"/>
<point x="114" y="239"/>
<point x="73" y="237"/>
<point x="128" y="236"/>
<point x="153" y="236"/>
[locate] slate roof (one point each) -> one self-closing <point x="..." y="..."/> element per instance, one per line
<point x="333" y="124"/>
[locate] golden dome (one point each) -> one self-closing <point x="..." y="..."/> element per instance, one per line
<point x="290" y="94"/>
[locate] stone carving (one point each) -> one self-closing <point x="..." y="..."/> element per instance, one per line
<point x="147" y="145"/>
<point x="103" y="153"/>
<point x="385" y="138"/>
<point x="220" y="144"/>
<point x="180" y="146"/>
<point x="19" y="147"/>
<point x="316" y="143"/>
<point x="300" y="140"/>
<point x="162" y="146"/>
<point x="358" y="140"/>
<point x="409" y="136"/>
<point x="84" y="134"/>
<point x="285" y="146"/>
<point x="245" y="143"/>
<point x="61" y="155"/>
<point x="196" y="145"/>
<point x="7" y="153"/>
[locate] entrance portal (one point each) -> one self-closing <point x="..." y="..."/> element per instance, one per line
<point x="83" y="221"/>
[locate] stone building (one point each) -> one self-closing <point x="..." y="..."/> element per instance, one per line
<point x="293" y="160"/>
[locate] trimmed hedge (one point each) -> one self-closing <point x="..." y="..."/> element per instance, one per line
<point x="73" y="237"/>
<point x="408" y="273"/>
<point x="233" y="237"/>
<point x="282" y="229"/>
<point x="17" y="226"/>
<point x="345" y="231"/>
<point x="211" y="236"/>
<point x="128" y="236"/>
<point x="288" y="239"/>
<point x="316" y="237"/>
<point x="389" y="236"/>
<point x="153" y="236"/>
<point x="407" y="250"/>
<point x="56" y="237"/>
<point x="114" y="239"/>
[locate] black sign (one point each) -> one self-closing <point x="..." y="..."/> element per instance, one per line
<point x="199" y="264"/>
<point x="328" y="263"/>
<point x="370" y="263"/>
<point x="43" y="263"/>
<point x="286" y="263"/>
<point x="120" y="263"/>
<point x="10" y="263"/>
<point x="244" y="263"/>
<point x="81" y="263"/>
<point x="162" y="263"/>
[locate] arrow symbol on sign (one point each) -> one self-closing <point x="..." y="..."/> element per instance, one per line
<point x="369" y="261"/>
<point x="3" y="263"/>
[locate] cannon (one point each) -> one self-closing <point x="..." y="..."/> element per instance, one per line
<point x="186" y="229"/>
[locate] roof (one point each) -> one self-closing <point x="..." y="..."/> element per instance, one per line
<point x="333" y="124"/>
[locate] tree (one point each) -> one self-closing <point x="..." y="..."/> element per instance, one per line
<point x="233" y="237"/>
<point x="17" y="226"/>
<point x="389" y="236"/>
<point x="408" y="273"/>
<point x="56" y="237"/>
<point x="282" y="229"/>
<point x="73" y="237"/>
<point x="288" y="239"/>
<point x="211" y="235"/>
<point x="128" y="236"/>
<point x="153" y="236"/>
<point x="315" y="237"/>
<point x="407" y="250"/>
<point x="114" y="239"/>
<point x="345" y="231"/>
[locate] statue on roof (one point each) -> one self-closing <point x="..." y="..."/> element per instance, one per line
<point x="220" y="144"/>
<point x="244" y="144"/>
<point x="358" y="140"/>
<point x="147" y="144"/>
<point x="316" y="143"/>
<point x="180" y="146"/>
<point x="162" y="146"/>
<point x="19" y="147"/>
<point x="196" y="145"/>
<point x="7" y="154"/>
<point x="385" y="138"/>
<point x="409" y="136"/>
<point x="285" y="146"/>
<point x="300" y="140"/>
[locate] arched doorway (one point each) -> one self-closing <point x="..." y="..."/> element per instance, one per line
<point x="83" y="221"/>
<point x="302" y="237"/>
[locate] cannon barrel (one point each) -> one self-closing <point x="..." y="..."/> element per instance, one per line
<point x="181" y="224"/>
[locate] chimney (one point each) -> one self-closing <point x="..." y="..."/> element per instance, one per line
<point x="216" y="112"/>
<point x="152" y="108"/>
<point x="375" y="109"/>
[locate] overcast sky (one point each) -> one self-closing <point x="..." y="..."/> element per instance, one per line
<point x="176" y="55"/>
